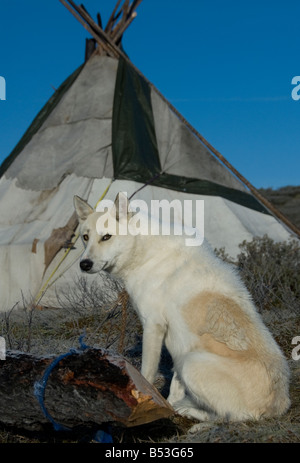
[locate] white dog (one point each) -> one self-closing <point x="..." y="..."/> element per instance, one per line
<point x="226" y="363"/>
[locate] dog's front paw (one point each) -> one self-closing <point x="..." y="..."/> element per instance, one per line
<point x="186" y="409"/>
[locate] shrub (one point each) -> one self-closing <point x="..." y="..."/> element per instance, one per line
<point x="271" y="271"/>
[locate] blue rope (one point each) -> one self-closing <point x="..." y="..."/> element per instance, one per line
<point x="40" y="387"/>
<point x="81" y="343"/>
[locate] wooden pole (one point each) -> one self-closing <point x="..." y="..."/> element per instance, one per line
<point x="97" y="31"/>
<point x="99" y="19"/>
<point x="111" y="20"/>
<point x="119" y="26"/>
<point x="121" y="31"/>
<point x="84" y="24"/>
<point x="100" y="42"/>
<point x="125" y="9"/>
<point x="134" y="6"/>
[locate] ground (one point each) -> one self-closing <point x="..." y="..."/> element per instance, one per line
<point x="272" y="274"/>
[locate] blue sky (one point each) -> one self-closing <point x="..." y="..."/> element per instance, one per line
<point x="227" y="66"/>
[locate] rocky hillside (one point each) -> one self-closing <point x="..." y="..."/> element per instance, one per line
<point x="286" y="200"/>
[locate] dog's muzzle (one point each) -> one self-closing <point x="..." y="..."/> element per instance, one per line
<point x="86" y="265"/>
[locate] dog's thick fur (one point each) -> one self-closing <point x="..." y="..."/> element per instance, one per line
<point x="226" y="363"/>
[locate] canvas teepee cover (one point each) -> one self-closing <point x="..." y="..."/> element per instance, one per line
<point x="106" y="122"/>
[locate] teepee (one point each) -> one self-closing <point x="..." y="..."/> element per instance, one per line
<point x="105" y="130"/>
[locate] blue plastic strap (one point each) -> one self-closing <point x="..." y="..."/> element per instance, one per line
<point x="101" y="436"/>
<point x="40" y="387"/>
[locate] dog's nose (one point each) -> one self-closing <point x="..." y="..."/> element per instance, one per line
<point x="86" y="265"/>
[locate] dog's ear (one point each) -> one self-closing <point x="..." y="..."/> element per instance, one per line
<point x="82" y="208"/>
<point x="121" y="206"/>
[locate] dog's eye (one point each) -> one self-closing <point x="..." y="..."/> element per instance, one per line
<point x="106" y="237"/>
<point x="85" y="237"/>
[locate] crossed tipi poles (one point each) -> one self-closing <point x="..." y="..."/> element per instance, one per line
<point x="108" y="39"/>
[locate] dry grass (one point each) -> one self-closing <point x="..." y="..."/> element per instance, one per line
<point x="272" y="274"/>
